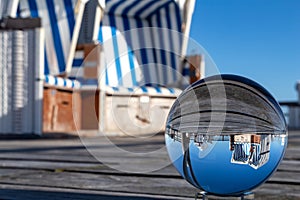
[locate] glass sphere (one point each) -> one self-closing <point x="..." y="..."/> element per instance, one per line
<point x="226" y="135"/>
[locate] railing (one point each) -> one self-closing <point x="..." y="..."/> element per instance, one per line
<point x="291" y="112"/>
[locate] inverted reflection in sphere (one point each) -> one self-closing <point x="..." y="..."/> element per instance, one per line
<point x="226" y="135"/>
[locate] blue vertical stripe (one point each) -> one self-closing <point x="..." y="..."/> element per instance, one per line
<point x="115" y="89"/>
<point x="172" y="91"/>
<point x="132" y="67"/>
<point x="46" y="79"/>
<point x="33" y="8"/>
<point x="158" y="89"/>
<point x="70" y="15"/>
<point x="77" y="62"/>
<point x="143" y="54"/>
<point x="144" y="89"/>
<point x="18" y="11"/>
<point x="127" y="27"/>
<point x="155" y="60"/>
<point x="100" y="38"/>
<point x="65" y="82"/>
<point x="56" y="35"/>
<point x="46" y="67"/>
<point x="178" y="18"/>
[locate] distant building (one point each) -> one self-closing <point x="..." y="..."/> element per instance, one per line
<point x="293" y="114"/>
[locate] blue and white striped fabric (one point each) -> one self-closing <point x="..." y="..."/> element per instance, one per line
<point x="77" y="71"/>
<point x="144" y="90"/>
<point x="255" y="157"/>
<point x="142" y="42"/>
<point x="58" y="20"/>
<point x="241" y="152"/>
<point x="61" y="82"/>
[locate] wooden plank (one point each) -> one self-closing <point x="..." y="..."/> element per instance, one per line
<point x="291" y="178"/>
<point x="290" y="165"/>
<point x="21" y="192"/>
<point x="277" y="191"/>
<point x="134" y="185"/>
<point x="64" y="166"/>
<point x="50" y="166"/>
<point x="130" y="184"/>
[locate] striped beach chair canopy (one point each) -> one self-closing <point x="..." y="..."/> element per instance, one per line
<point x="241" y="152"/>
<point x="61" y="21"/>
<point x="142" y="40"/>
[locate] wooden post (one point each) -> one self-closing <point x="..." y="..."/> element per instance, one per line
<point x="195" y="67"/>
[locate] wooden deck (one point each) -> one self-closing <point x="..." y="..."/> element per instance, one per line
<point x="62" y="168"/>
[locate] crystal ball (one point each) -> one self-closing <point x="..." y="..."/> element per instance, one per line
<point x="226" y="135"/>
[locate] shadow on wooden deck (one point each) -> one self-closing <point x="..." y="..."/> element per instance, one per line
<point x="21" y="194"/>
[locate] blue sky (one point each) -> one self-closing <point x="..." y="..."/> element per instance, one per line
<point x="259" y="39"/>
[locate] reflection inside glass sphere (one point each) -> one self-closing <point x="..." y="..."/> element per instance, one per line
<point x="226" y="135"/>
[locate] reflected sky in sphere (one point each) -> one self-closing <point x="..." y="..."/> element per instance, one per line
<point x="226" y="135"/>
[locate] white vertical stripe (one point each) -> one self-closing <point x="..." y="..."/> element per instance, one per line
<point x="79" y="54"/>
<point x="24" y="7"/>
<point x="176" y="41"/>
<point x="119" y="24"/>
<point x="190" y="10"/>
<point x="49" y="42"/>
<point x="109" y="56"/>
<point x="138" y="71"/>
<point x="98" y="16"/>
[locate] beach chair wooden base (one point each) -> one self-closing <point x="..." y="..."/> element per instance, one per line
<point x="69" y="110"/>
<point x="58" y="109"/>
<point x="88" y="104"/>
<point x="134" y="115"/>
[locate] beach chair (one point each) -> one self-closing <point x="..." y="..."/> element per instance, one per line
<point x="142" y="67"/>
<point x="61" y="21"/>
<point x="20" y="76"/>
<point x="8" y="8"/>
